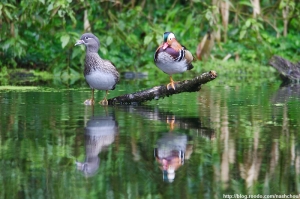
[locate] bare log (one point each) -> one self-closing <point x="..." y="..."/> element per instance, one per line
<point x="289" y="71"/>
<point x="157" y="92"/>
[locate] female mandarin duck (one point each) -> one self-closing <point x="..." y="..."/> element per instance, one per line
<point x="171" y="57"/>
<point x="99" y="73"/>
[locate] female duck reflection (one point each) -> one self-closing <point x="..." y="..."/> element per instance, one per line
<point x="100" y="132"/>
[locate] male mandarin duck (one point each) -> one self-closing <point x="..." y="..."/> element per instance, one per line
<point x="100" y="74"/>
<point x="172" y="58"/>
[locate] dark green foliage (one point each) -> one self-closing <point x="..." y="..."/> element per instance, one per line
<point x="40" y="34"/>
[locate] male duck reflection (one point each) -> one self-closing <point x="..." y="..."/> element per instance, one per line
<point x="100" y="132"/>
<point x="172" y="149"/>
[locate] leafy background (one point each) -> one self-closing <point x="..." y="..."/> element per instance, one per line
<point x="40" y="34"/>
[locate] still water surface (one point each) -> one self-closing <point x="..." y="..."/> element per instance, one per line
<point x="221" y="140"/>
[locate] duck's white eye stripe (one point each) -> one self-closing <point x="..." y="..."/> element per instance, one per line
<point x="171" y="36"/>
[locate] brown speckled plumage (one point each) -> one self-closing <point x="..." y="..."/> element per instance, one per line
<point x="93" y="62"/>
<point x="99" y="73"/>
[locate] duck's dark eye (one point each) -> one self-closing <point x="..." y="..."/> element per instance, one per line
<point x="86" y="38"/>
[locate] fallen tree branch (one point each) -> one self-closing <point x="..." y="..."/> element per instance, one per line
<point x="157" y="92"/>
<point x="288" y="71"/>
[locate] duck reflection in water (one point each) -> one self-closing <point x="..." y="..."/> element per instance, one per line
<point x="100" y="132"/>
<point x="172" y="149"/>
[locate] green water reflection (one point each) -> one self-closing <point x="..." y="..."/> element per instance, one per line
<point x="222" y="140"/>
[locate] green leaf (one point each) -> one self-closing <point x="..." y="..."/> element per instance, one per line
<point x="23" y="42"/>
<point x="7" y="13"/>
<point x="61" y="13"/>
<point x="148" y="39"/>
<point x="74" y="72"/>
<point x="71" y="15"/>
<point x="247" y="3"/>
<point x="64" y="40"/>
<point x="242" y="34"/>
<point x="109" y="40"/>
<point x="103" y="51"/>
<point x="76" y="52"/>
<point x="158" y="39"/>
<point x="188" y="23"/>
<point x="8" y="44"/>
<point x="50" y="7"/>
<point x="10" y="5"/>
<point x="248" y="23"/>
<point x="260" y="26"/>
<point x="171" y="14"/>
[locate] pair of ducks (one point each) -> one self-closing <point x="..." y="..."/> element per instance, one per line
<point x="171" y="57"/>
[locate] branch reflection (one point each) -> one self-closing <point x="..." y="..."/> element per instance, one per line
<point x="286" y="93"/>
